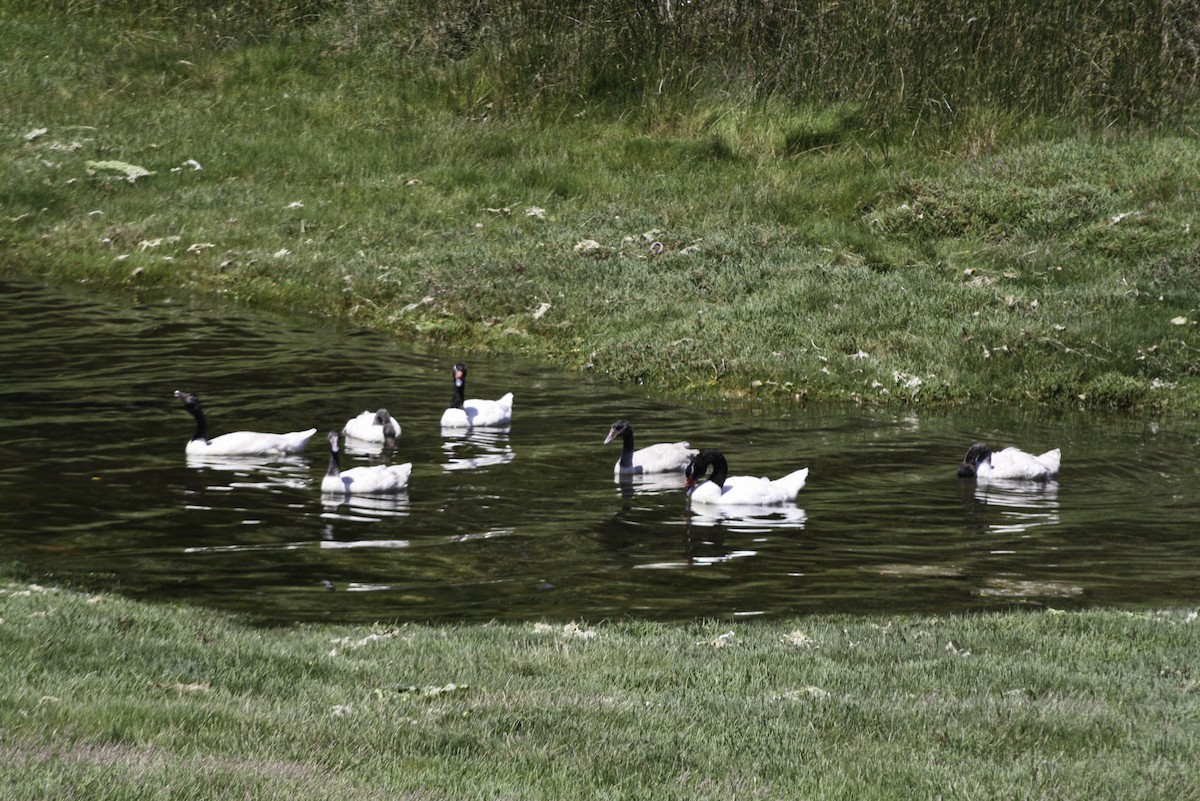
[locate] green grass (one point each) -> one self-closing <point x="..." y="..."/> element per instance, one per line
<point x="379" y="164"/>
<point x="105" y="698"/>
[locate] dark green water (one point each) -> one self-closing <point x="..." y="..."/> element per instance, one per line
<point x="529" y="524"/>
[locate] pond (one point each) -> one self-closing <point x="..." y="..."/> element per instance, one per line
<point x="528" y="523"/>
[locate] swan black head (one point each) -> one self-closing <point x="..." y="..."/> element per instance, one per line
<point x="621" y="428"/>
<point x="460" y="386"/>
<point x="190" y="401"/>
<point x="382" y="418"/>
<point x="976" y="455"/>
<point x="698" y="466"/>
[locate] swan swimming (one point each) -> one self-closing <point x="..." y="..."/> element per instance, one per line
<point x="238" y="443"/>
<point x="376" y="479"/>
<point x="1010" y="464"/>
<point x="726" y="490"/>
<point x="464" y="413"/>
<point x="663" y="457"/>
<point x="377" y="427"/>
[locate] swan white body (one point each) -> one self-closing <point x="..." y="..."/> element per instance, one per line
<point x="379" y="427"/>
<point x="726" y="490"/>
<point x="663" y="457"/>
<point x="380" y="479"/>
<point x="1010" y="464"/>
<point x="472" y="413"/>
<point x="239" y="443"/>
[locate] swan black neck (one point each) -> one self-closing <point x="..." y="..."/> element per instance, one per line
<point x="460" y="386"/>
<point x="192" y="404"/>
<point x="709" y="457"/>
<point x="625" y="431"/>
<point x="335" y="463"/>
<point x="977" y="454"/>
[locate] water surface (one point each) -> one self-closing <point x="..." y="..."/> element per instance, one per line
<point x="528" y="523"/>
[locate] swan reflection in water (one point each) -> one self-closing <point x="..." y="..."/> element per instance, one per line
<point x="261" y="472"/>
<point x="648" y="484"/>
<point x="471" y="449"/>
<point x="747" y="527"/>
<point x="1022" y="505"/>
<point x="363" y="508"/>
<point x="747" y="518"/>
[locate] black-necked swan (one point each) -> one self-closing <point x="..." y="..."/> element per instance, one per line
<point x="1010" y="464"/>
<point x="475" y="413"/>
<point x="239" y="443"/>
<point x="377" y="479"/>
<point x="726" y="490"/>
<point x="377" y="426"/>
<point x="663" y="457"/>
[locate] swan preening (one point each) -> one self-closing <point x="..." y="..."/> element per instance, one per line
<point x="379" y="427"/>
<point x="379" y="479"/>
<point x="726" y="490"/>
<point x="239" y="443"/>
<point x="471" y="413"/>
<point x="1009" y="464"/>
<point x="663" y="457"/>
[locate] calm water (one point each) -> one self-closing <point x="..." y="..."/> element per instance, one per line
<point x="529" y="524"/>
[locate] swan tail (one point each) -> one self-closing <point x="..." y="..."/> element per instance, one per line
<point x="298" y="440"/>
<point x="792" y="483"/>
<point x="1051" y="459"/>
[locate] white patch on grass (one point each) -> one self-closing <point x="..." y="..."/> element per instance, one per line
<point x="571" y="629"/>
<point x="799" y="639"/>
<point x="130" y="172"/>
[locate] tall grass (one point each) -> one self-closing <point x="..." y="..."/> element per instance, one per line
<point x="901" y="64"/>
<point x="378" y="162"/>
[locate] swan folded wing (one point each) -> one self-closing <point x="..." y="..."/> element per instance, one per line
<point x="1013" y="463"/>
<point x="481" y="413"/>
<point x="663" y="457"/>
<point x="752" y="490"/>
<point x="251" y="443"/>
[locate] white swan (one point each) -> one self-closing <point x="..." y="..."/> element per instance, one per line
<point x="1009" y="464"/>
<point x="378" y="479"/>
<point x="664" y="457"/>
<point x="726" y="490"/>
<point x="239" y="443"/>
<point x="474" y="412"/>
<point x="379" y="427"/>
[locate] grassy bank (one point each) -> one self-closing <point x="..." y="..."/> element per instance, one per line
<point x="595" y="192"/>
<point x="105" y="698"/>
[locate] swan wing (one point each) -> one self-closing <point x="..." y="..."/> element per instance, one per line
<point x="664" y="457"/>
<point x="367" y="480"/>
<point x="1016" y="464"/>
<point x="481" y="413"/>
<point x="252" y="443"/>
<point x="752" y="490"/>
